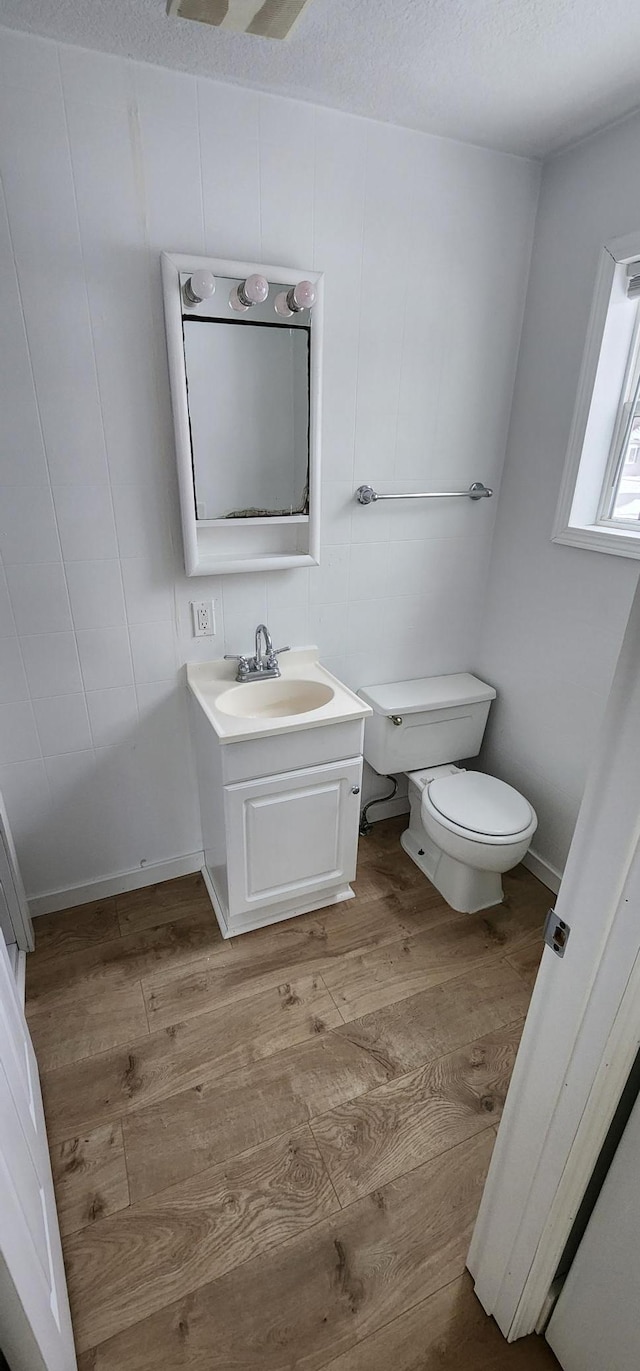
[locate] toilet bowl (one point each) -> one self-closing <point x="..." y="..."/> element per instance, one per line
<point x="466" y="828"/>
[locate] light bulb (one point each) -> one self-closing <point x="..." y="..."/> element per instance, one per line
<point x="304" y="294"/>
<point x="203" y="284"/>
<point x="200" y="286"/>
<point x="282" y="305"/>
<point x="256" y="289"/>
<point x="236" y="303"/>
<point x="297" y="298"/>
<point x="253" y="291"/>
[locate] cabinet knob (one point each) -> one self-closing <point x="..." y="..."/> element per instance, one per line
<point x="355" y="790"/>
<point x="396" y="719"/>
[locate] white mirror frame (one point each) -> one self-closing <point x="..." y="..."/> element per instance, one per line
<point x="234" y="545"/>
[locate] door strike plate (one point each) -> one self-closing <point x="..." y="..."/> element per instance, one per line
<point x="556" y="933"/>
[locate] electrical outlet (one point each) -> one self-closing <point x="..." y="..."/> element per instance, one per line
<point x="204" y="619"/>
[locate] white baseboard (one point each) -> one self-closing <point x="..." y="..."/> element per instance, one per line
<point x="194" y="861"/>
<point x="116" y="885"/>
<point x="389" y="809"/>
<point x="543" y="870"/>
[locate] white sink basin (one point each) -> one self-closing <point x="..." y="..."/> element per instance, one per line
<point x="274" y="699"/>
<point x="306" y="695"/>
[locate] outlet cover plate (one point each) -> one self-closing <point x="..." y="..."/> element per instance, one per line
<point x="204" y="618"/>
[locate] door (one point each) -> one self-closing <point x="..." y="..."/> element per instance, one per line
<point x="581" y="1035"/>
<point x="596" y="1322"/>
<point x="35" y="1324"/>
<point x="291" y="835"/>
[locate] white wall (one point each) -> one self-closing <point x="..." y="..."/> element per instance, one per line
<point x="104" y="163"/>
<point x="555" y="616"/>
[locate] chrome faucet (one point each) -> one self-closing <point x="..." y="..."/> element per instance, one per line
<point x="260" y="661"/>
<point x="264" y="666"/>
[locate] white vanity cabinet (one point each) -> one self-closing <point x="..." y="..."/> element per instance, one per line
<point x="279" y="800"/>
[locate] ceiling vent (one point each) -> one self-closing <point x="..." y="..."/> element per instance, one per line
<point x="266" y="18"/>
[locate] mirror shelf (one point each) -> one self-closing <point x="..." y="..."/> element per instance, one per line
<point x="254" y="521"/>
<point x="245" y="393"/>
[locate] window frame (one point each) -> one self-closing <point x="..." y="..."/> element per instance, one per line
<point x="628" y="410"/>
<point x="591" y="456"/>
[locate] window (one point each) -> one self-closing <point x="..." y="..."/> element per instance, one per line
<point x="599" y="505"/>
<point x="620" y="499"/>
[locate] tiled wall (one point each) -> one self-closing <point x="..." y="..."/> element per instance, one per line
<point x="555" y="616"/>
<point x="425" y="244"/>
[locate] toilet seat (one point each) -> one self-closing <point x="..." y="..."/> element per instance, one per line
<point x="479" y="808"/>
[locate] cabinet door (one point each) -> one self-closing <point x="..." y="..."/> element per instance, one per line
<point x="290" y="835"/>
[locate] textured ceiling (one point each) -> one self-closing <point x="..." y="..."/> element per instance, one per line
<point x="527" y="76"/>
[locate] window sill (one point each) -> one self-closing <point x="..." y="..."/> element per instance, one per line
<point x="595" y="538"/>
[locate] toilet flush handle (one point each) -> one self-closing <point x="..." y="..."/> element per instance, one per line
<point x="395" y="719"/>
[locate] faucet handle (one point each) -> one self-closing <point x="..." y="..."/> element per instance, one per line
<point x="272" y="656"/>
<point x="243" y="662"/>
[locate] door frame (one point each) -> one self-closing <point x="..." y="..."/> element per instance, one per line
<point x="37" y="1334"/>
<point x="12" y="884"/>
<point x="581" y="1036"/>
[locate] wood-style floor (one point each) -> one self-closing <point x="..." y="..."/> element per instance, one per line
<point x="269" y="1152"/>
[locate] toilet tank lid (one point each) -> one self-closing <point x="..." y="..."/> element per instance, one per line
<point x="427" y="692"/>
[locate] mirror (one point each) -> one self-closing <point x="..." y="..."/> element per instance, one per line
<point x="248" y="385"/>
<point x="245" y="375"/>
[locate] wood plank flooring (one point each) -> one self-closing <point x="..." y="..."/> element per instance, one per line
<point x="269" y="1152"/>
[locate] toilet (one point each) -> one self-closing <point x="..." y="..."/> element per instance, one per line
<point x="465" y="828"/>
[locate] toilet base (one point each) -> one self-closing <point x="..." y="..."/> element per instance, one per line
<point x="463" y="887"/>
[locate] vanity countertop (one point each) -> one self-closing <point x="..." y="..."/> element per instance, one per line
<point x="282" y="705"/>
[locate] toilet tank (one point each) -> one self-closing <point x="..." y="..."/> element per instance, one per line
<point x="425" y="722"/>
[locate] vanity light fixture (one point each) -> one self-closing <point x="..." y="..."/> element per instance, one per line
<point x="261" y="18"/>
<point x="201" y="286"/>
<point x="302" y="296"/>
<point x="253" y="291"/>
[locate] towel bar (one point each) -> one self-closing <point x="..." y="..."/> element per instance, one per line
<point x="366" y="495"/>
